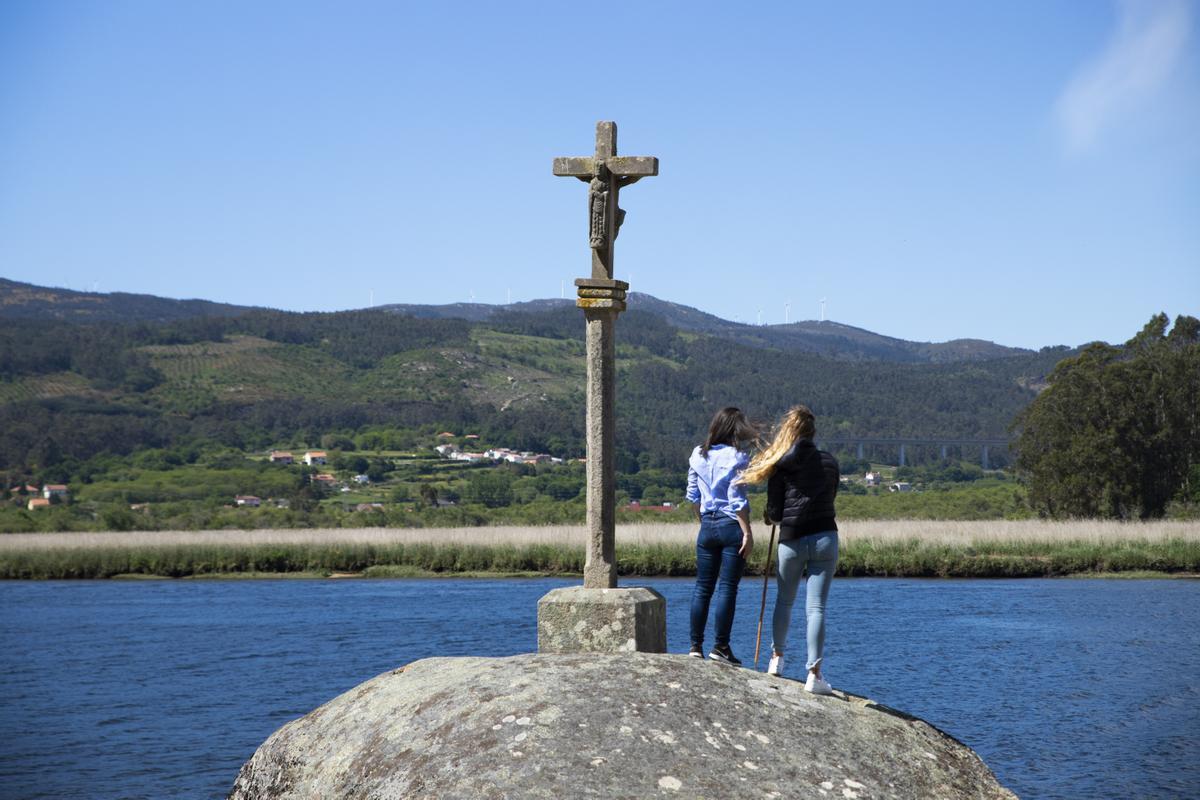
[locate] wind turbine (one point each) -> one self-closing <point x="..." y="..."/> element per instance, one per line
<point x="787" y="312"/>
<point x="823" y="309"/>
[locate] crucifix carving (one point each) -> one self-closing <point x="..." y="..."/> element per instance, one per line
<point x="602" y="298"/>
<point x="606" y="174"/>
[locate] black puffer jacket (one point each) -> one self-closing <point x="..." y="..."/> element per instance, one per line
<point x="801" y="492"/>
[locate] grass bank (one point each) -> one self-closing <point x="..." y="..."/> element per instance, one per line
<point x="898" y="548"/>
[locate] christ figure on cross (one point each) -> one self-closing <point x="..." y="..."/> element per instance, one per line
<point x="606" y="174"/>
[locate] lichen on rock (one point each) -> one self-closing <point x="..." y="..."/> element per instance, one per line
<point x="633" y="725"/>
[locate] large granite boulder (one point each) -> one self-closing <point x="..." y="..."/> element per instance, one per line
<point x="635" y="725"/>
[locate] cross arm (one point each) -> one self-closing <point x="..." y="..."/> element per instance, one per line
<point x="575" y="167"/>
<point x="622" y="166"/>
<point x="632" y="166"/>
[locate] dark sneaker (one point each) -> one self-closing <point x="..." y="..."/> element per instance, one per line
<point x="723" y="654"/>
<point x="696" y="652"/>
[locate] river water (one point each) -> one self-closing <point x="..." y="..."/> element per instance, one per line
<point x="1066" y="688"/>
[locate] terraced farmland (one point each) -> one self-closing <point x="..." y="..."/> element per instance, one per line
<point x="248" y="368"/>
<point x="42" y="387"/>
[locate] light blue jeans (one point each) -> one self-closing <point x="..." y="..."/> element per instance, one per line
<point x="818" y="553"/>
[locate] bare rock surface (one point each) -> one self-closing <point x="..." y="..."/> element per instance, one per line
<point x="632" y="725"/>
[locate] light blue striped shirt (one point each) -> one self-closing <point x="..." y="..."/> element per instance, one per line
<point x="710" y="480"/>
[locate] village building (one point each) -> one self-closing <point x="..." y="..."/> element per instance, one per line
<point x="325" y="479"/>
<point x="362" y="480"/>
<point x="900" y="486"/>
<point x="53" y="491"/>
<point x="282" y="457"/>
<point x="248" y="500"/>
<point x="445" y="435"/>
<point x="38" y="502"/>
<point x="873" y="478"/>
<point x="315" y="457"/>
<point x="497" y="454"/>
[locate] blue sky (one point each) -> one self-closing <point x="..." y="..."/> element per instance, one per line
<point x="1025" y="172"/>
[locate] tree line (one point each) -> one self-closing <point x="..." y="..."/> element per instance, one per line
<point x="1117" y="432"/>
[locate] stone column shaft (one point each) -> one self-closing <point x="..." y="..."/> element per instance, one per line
<point x="600" y="569"/>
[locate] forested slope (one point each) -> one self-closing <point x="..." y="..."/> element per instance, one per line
<point x="70" y="390"/>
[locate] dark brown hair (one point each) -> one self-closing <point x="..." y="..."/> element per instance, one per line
<point x="728" y="426"/>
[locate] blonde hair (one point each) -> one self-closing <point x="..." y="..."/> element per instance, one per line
<point x="798" y="423"/>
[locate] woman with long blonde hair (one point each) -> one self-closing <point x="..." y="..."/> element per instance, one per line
<point x="802" y="484"/>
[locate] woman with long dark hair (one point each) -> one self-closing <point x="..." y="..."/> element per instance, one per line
<point x="802" y="484"/>
<point x="725" y="538"/>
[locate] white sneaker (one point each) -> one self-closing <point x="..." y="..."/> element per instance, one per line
<point x="817" y="685"/>
<point x="776" y="666"/>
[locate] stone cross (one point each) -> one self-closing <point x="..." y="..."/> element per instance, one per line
<point x="602" y="298"/>
<point x="605" y="173"/>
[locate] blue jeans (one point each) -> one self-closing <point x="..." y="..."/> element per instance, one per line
<point x="818" y="553"/>
<point x="718" y="566"/>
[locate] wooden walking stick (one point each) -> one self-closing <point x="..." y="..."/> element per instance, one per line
<point x="763" y="609"/>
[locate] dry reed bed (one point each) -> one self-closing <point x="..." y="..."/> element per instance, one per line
<point x="927" y="532"/>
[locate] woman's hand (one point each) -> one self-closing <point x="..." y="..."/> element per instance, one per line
<point x="743" y="518"/>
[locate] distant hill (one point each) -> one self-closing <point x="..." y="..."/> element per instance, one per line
<point x="472" y="312"/>
<point x="26" y="301"/>
<point x="829" y="339"/>
<point x="197" y="374"/>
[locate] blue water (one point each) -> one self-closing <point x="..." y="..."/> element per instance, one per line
<point x="1067" y="689"/>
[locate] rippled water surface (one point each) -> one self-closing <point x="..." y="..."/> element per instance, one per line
<point x="1069" y="688"/>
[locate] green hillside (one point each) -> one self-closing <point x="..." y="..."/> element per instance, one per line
<point x="266" y="378"/>
<point x="175" y="418"/>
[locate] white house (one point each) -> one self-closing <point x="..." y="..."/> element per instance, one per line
<point x="362" y="479"/>
<point x="53" y="490"/>
<point x="873" y="478"/>
<point x="315" y="457"/>
<point x="900" y="486"/>
<point x="248" y="500"/>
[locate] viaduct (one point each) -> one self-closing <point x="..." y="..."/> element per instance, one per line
<point x="862" y="443"/>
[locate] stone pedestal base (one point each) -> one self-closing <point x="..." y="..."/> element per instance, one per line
<point x="578" y="620"/>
